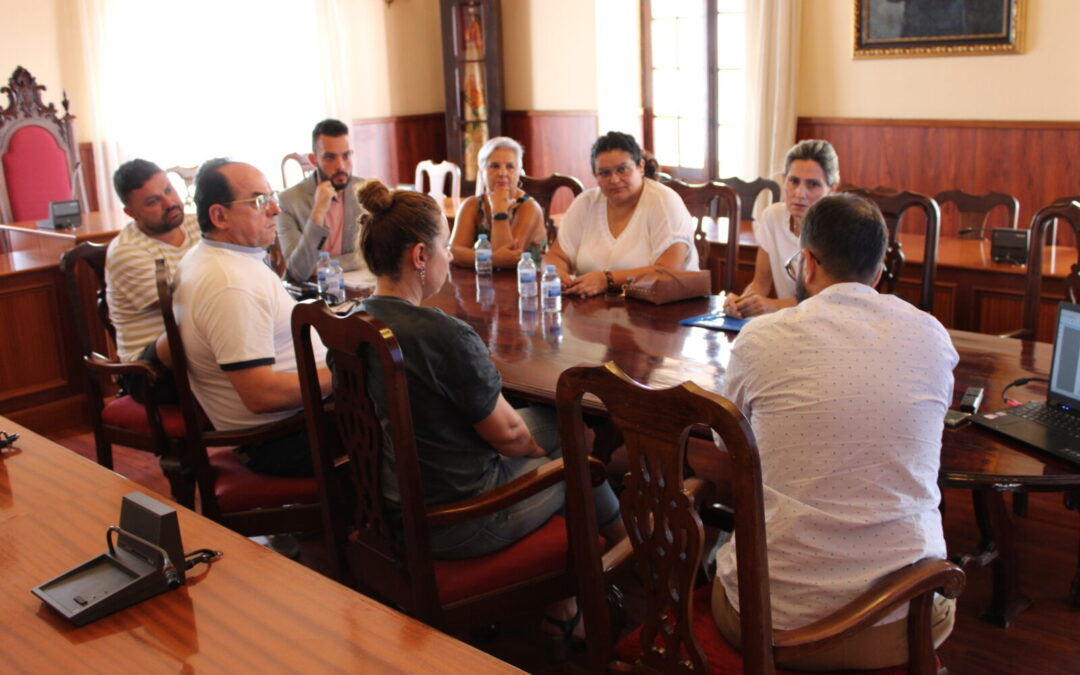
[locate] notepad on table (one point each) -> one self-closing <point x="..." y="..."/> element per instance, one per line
<point x="716" y="320"/>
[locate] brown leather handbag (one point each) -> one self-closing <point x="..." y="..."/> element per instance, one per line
<point x="664" y="286"/>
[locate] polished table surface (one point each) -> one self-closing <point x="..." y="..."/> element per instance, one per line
<point x="646" y="341"/>
<point x="251" y="611"/>
<point x="531" y="349"/>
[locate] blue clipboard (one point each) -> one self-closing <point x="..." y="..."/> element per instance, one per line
<point x="716" y="320"/>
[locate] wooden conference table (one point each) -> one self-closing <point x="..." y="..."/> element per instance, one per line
<point x="531" y="349"/>
<point x="251" y="611"/>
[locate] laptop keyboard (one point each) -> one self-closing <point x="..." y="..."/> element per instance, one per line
<point x="1058" y="420"/>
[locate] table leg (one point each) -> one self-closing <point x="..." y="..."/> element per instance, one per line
<point x="998" y="548"/>
<point x="1072" y="501"/>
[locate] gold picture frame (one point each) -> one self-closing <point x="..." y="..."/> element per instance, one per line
<point x="897" y="28"/>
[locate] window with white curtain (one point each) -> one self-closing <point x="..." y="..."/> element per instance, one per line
<point x="186" y="80"/>
<point x="694" y="61"/>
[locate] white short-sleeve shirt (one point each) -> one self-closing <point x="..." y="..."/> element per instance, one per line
<point x="772" y="230"/>
<point x="660" y="220"/>
<point x="846" y="393"/>
<point x="233" y="313"/>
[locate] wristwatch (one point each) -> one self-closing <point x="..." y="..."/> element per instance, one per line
<point x="500" y="216"/>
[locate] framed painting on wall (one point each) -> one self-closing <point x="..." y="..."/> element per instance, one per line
<point x="889" y="28"/>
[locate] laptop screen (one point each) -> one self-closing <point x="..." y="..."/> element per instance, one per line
<point x="1065" y="369"/>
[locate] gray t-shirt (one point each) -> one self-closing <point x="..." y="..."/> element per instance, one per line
<point x="452" y="385"/>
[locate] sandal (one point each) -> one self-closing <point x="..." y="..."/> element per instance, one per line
<point x="566" y="627"/>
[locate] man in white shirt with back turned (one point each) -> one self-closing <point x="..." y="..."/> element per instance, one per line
<point x="846" y="393"/>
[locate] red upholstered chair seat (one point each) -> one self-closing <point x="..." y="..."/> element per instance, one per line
<point x="544" y="551"/>
<point x="238" y="488"/>
<point x="36" y="172"/>
<point x="127" y="413"/>
<point x="722" y="658"/>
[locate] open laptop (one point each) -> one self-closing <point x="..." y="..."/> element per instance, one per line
<point x="1052" y="425"/>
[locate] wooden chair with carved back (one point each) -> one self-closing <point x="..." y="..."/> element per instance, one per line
<point x="543" y="191"/>
<point x="151" y="427"/>
<point x="229" y="492"/>
<point x="679" y="634"/>
<point x="748" y="194"/>
<point x="893" y="204"/>
<point x="1043" y="223"/>
<point x="299" y="159"/>
<point x="713" y="200"/>
<point x="974" y="211"/>
<point x="387" y="553"/>
<point x="39" y="156"/>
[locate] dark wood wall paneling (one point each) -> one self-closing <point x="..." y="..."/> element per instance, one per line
<point x="556" y="141"/>
<point x="1036" y="162"/>
<point x="389" y="148"/>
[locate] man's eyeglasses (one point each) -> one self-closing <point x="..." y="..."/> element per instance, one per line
<point x="622" y="171"/>
<point x="794" y="264"/>
<point x="262" y="202"/>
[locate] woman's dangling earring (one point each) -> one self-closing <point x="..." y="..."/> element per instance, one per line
<point x="423" y="272"/>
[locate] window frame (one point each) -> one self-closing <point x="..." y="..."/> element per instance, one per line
<point x="711" y="171"/>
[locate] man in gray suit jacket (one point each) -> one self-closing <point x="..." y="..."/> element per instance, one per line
<point x="321" y="212"/>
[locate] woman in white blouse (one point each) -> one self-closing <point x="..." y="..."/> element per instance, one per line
<point x="626" y="227"/>
<point x="811" y="171"/>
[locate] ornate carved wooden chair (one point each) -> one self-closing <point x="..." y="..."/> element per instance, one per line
<point x="1067" y="209"/>
<point x="229" y="492"/>
<point x="366" y="549"/>
<point x="679" y="634"/>
<point x="893" y="204"/>
<point x="437" y="174"/>
<point x="543" y="191"/>
<point x="151" y="427"/>
<point x="748" y="194"/>
<point x="40" y="156"/>
<point x="974" y="210"/>
<point x="299" y="159"/>
<point x="713" y="200"/>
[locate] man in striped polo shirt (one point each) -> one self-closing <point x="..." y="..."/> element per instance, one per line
<point x="159" y="229"/>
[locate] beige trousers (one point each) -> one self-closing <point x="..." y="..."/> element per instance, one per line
<point x="875" y="647"/>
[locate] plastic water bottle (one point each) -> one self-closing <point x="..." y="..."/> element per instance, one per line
<point x="551" y="290"/>
<point x="322" y="272"/>
<point x="526" y="273"/>
<point x="335" y="282"/>
<point x="483" y="255"/>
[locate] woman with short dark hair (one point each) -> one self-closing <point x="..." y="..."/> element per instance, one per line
<point x="626" y="227"/>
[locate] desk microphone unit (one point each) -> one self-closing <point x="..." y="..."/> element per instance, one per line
<point x="1009" y="245"/>
<point x="65" y="215"/>
<point x="147" y="559"/>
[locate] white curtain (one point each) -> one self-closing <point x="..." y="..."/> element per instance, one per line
<point x="180" y="81"/>
<point x="772" y="73"/>
<point x="332" y="26"/>
<point x="92" y="20"/>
